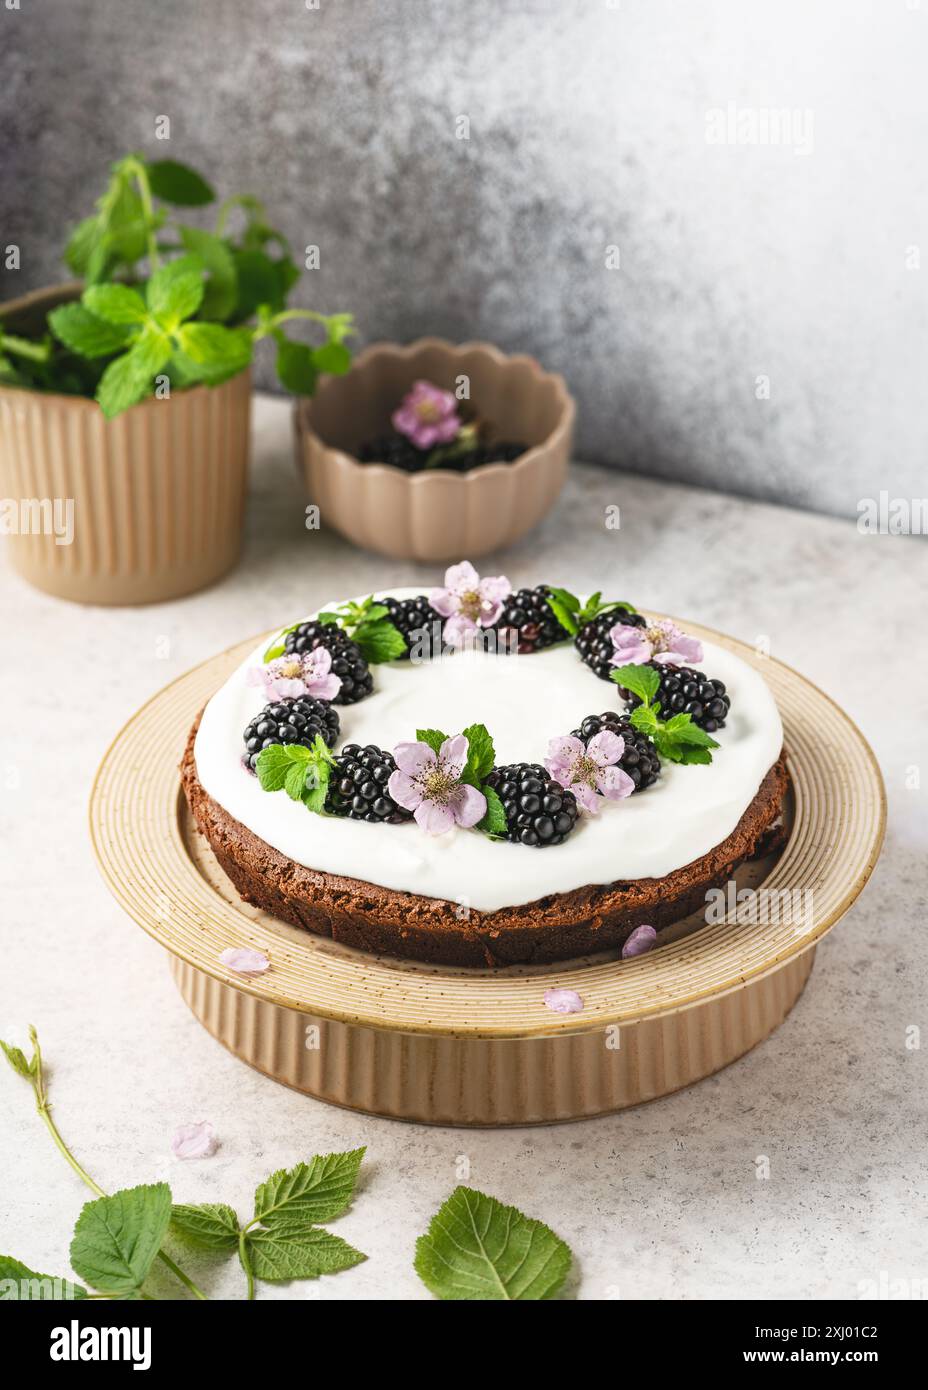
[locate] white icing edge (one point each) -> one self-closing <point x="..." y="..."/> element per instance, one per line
<point x="687" y="813"/>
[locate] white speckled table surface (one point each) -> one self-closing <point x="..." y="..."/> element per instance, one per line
<point x="659" y="1202"/>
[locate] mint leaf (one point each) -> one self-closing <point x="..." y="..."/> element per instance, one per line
<point x="298" y="1252"/>
<point x="481" y="754"/>
<point x="33" y="1286"/>
<point x="565" y="606"/>
<point x="478" y="1249"/>
<point x="81" y="243"/>
<point x="179" y="184"/>
<point x="681" y="753"/>
<point x="681" y="729"/>
<point x="117" y="1238"/>
<point x="379" y="641"/>
<point x="227" y="350"/>
<point x="115" y="303"/>
<point x="494" y="820"/>
<point x="82" y="332"/>
<point x="315" y="1191"/>
<point x="333" y="358"/>
<point x="258" y="283"/>
<point x="565" y="598"/>
<point x="642" y="681"/>
<point x="594" y="606"/>
<point x="128" y="379"/>
<point x="274" y="764"/>
<point x="212" y="1226"/>
<point x="295" y="780"/>
<point x="295" y="367"/>
<point x="175" y="291"/>
<point x="644" y="719"/>
<point x="432" y="737"/>
<point x="221" y="289"/>
<point x="278" y="647"/>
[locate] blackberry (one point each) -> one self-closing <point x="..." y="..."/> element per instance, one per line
<point x="347" y="662"/>
<point x="684" y="691"/>
<point x="639" y="759"/>
<point x="592" y="641"/>
<point x="527" y="613"/>
<point x="290" y="721"/>
<point x="399" y="452"/>
<point x="538" y="810"/>
<point x="416" y="619"/>
<point x="358" y="786"/>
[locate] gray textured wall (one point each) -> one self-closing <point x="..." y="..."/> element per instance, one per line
<point x="588" y="128"/>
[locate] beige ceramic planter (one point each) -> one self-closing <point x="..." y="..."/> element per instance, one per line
<point x="439" y="515"/>
<point x="156" y="497"/>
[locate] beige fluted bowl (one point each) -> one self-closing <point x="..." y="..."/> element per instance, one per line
<point x="438" y="515"/>
<point x="155" y="497"/>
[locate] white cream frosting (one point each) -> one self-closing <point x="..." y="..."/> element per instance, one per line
<point x="524" y="701"/>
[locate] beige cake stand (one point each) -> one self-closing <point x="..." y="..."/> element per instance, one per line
<point x="479" y="1047"/>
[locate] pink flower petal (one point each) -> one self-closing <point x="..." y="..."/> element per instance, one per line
<point x="614" y="783"/>
<point x="443" y="601"/>
<point x="468" y="805"/>
<point x="461" y="578"/>
<point x="631" y="647"/>
<point x="458" y="630"/>
<point x="563" y="1001"/>
<point x="325" y="687"/>
<point x="453" y="755"/>
<point x="244" y="961"/>
<point x="493" y="594"/>
<point x="640" y="941"/>
<point x="194" y="1141"/>
<point x="586" y="797"/>
<point x="605" y="748"/>
<point x="405" y="792"/>
<point x="414" y="758"/>
<point x="434" y="818"/>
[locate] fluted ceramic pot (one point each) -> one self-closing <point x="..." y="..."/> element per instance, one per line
<point x="435" y="515"/>
<point x="139" y="509"/>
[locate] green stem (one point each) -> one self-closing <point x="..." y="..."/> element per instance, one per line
<point x="140" y="174"/>
<point x="23" y="347"/>
<point x="44" y="1109"/>
<point x="246" y="1263"/>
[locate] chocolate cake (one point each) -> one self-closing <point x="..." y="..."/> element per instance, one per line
<point x="559" y="812"/>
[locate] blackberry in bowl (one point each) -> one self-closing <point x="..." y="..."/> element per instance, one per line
<point x="539" y="812"/>
<point x="290" y="721"/>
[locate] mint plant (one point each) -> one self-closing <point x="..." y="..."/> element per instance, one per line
<point x="165" y="299"/>
<point x="118" y="1237"/>
<point x="367" y="624"/>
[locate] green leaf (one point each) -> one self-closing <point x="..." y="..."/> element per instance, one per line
<point x="478" y="1249"/>
<point x="258" y="283"/>
<point x="481" y="754"/>
<point x="216" y="347"/>
<point x="432" y="737"/>
<point x="680" y="728"/>
<point x="175" y="291"/>
<point x="644" y="719"/>
<point x="594" y="606"/>
<point x="298" y="1252"/>
<point x="562" y="604"/>
<point x="379" y="641"/>
<point x="683" y="754"/>
<point x="277" y="647"/>
<point x="642" y="681"/>
<point x="116" y="303"/>
<point x="82" y="332"/>
<point x="333" y="358"/>
<point x="17" y="1060"/>
<point x="295" y="780"/>
<point x="275" y="762"/>
<point x="128" y="379"/>
<point x="81" y="243"/>
<point x="565" y="598"/>
<point x="494" y="821"/>
<point x="178" y="184"/>
<point x="117" y="1238"/>
<point x="295" y="367"/>
<point x="212" y="1226"/>
<point x="221" y="291"/>
<point x="32" y="1286"/>
<point x="315" y="1191"/>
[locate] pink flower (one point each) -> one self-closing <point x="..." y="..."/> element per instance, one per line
<point x="194" y="1141"/>
<point x="662" y="642"/>
<point x="563" y="1001"/>
<point x="641" y="940"/>
<point x="427" y="416"/>
<point x="244" y="961"/>
<point x="429" y="784"/>
<point x="292" y="675"/>
<point x="468" y="602"/>
<point x="590" y="772"/>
